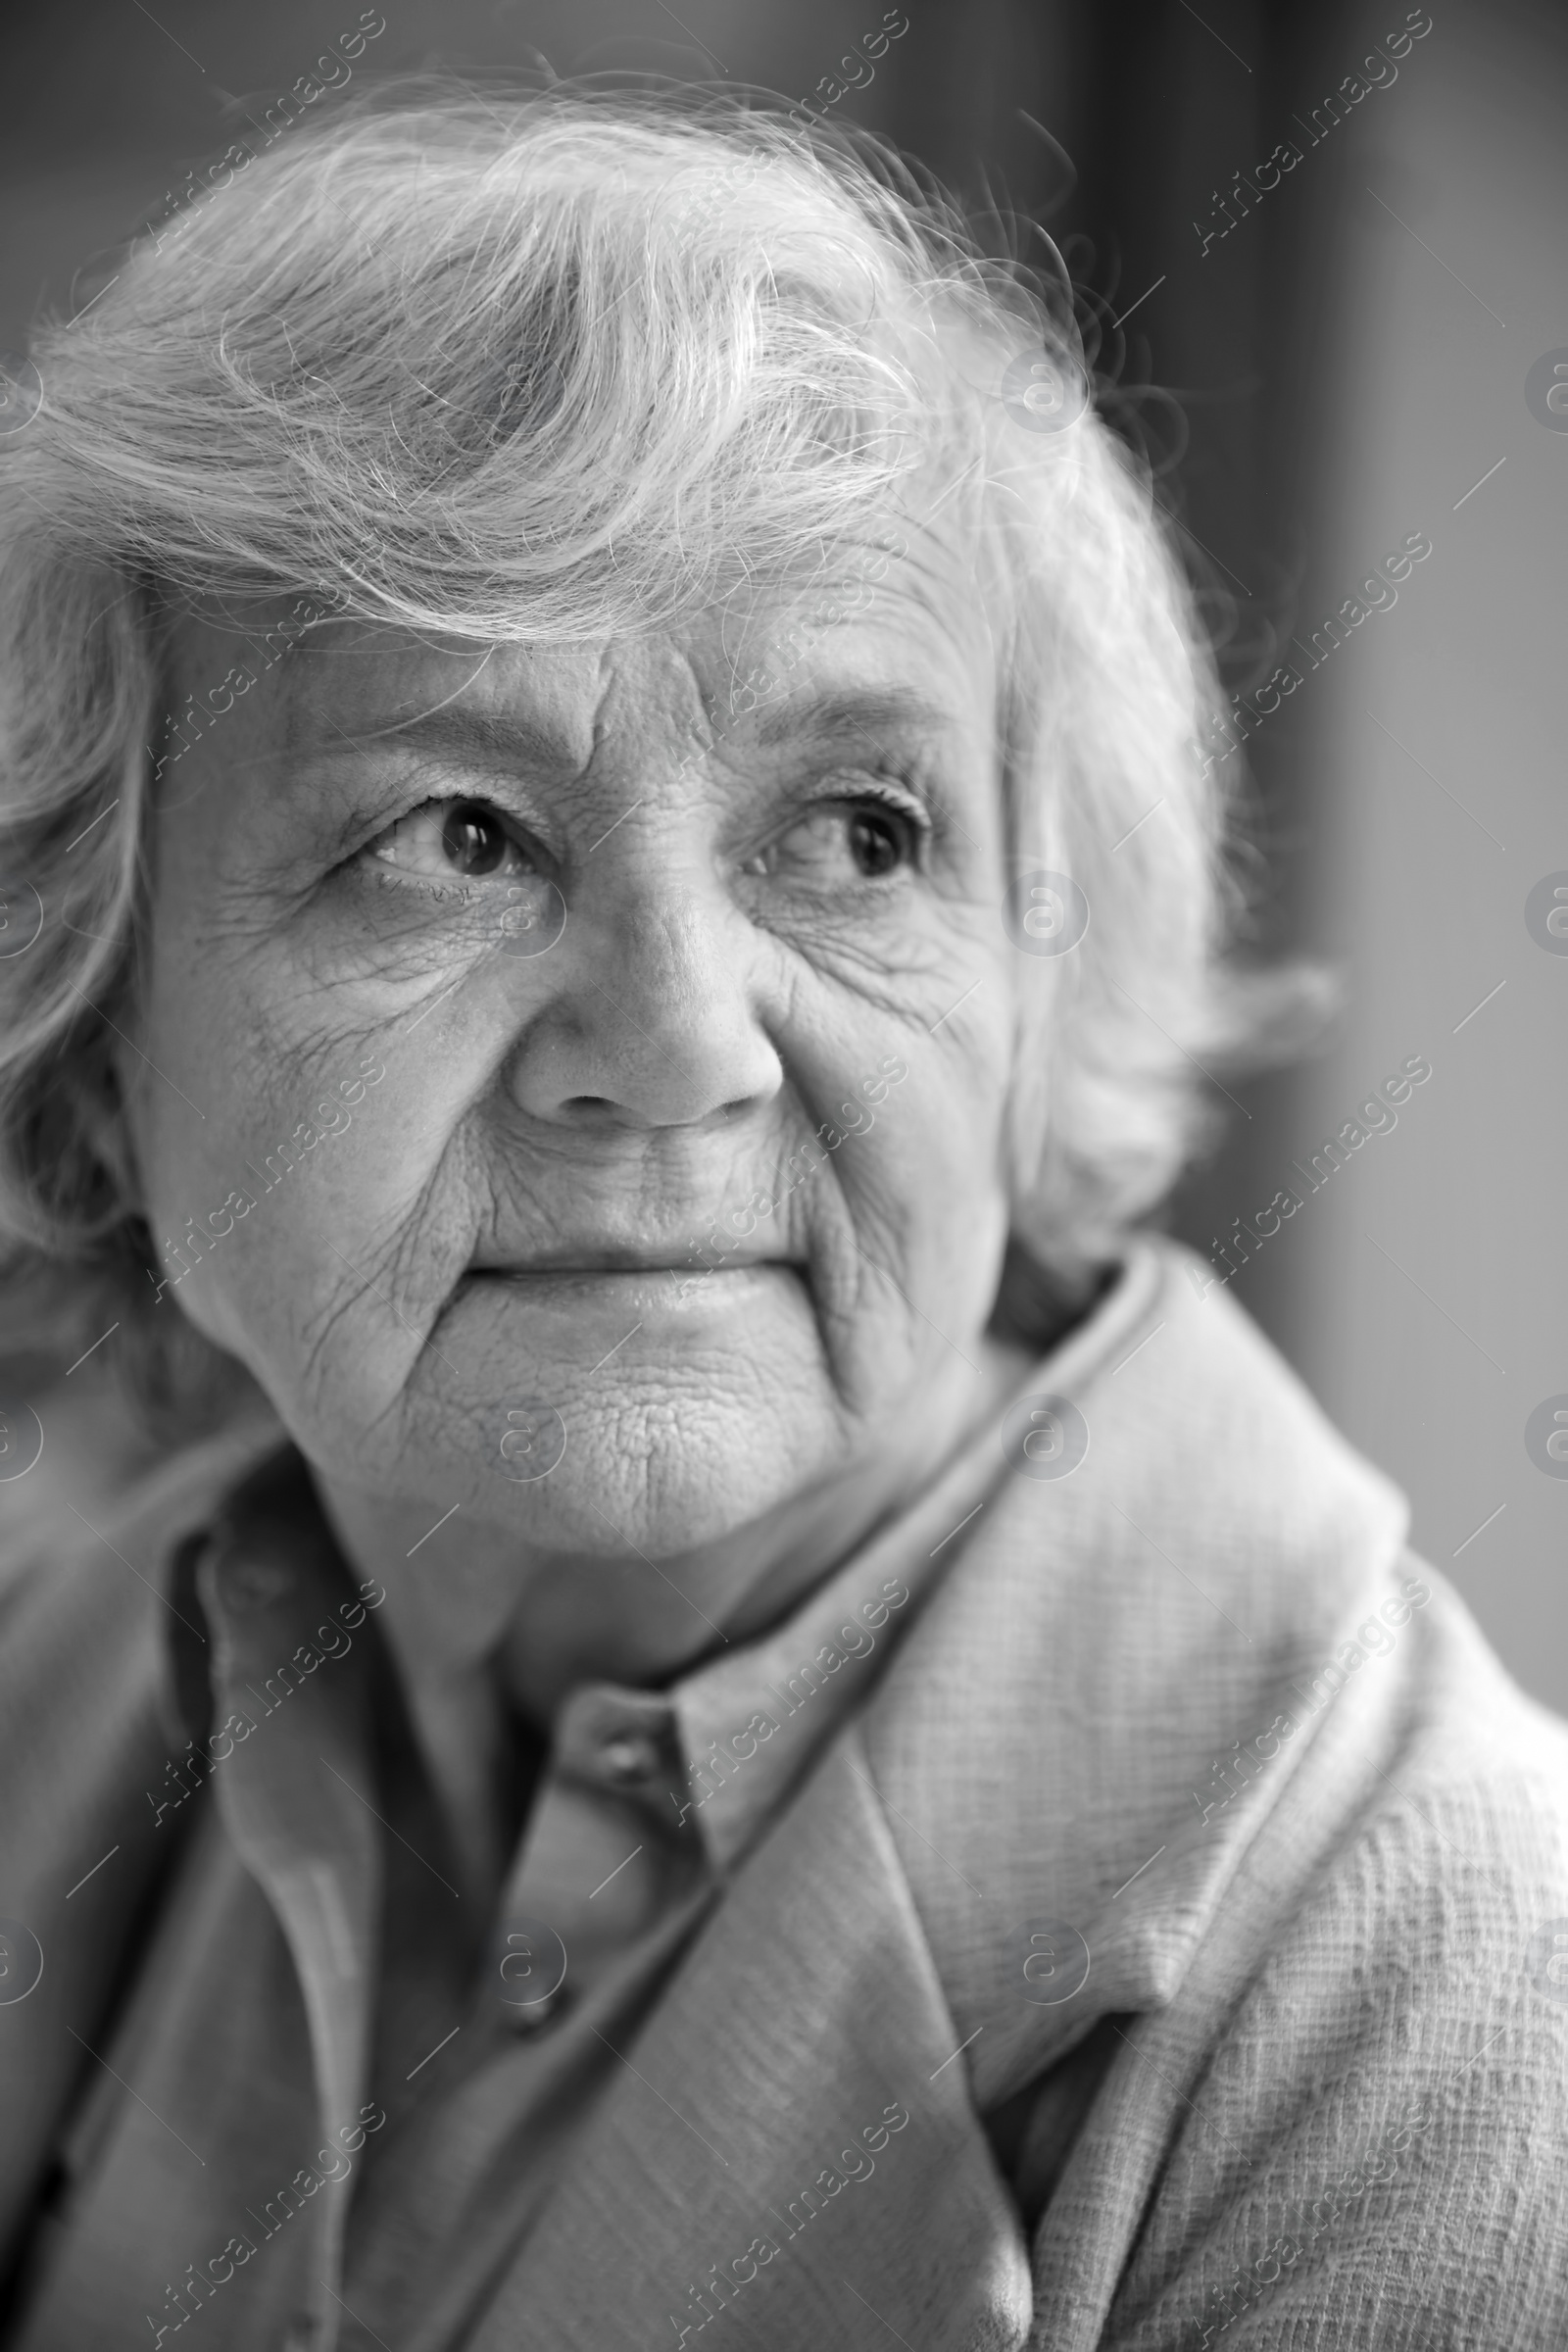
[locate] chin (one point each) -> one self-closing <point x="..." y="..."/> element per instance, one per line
<point x="595" y="1518"/>
<point x="645" y="1482"/>
<point x="732" y="1416"/>
<point x="616" y="1468"/>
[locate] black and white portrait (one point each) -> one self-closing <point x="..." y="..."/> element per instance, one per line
<point x="783" y="1421"/>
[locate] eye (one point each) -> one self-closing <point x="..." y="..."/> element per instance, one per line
<point x="879" y="839"/>
<point x="864" y="839"/>
<point x="446" y="840"/>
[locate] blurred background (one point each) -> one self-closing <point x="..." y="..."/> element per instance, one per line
<point x="1341" y="353"/>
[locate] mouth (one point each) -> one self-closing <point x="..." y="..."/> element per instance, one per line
<point x="617" y="1290"/>
<point x="645" y="1279"/>
<point x="615" y="1261"/>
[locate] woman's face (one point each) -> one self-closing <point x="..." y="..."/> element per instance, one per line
<point x="613" y="1056"/>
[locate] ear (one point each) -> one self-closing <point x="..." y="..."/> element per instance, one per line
<point x="97" y="1150"/>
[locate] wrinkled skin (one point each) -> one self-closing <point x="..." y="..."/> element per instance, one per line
<point x="760" y="929"/>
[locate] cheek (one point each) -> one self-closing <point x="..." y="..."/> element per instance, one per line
<point x="926" y="1186"/>
<point x="301" y="1286"/>
<point x="937" y="1142"/>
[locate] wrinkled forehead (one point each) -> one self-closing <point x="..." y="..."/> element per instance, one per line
<point x="892" y="623"/>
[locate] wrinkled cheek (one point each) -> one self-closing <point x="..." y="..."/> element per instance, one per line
<point x="327" y="1350"/>
<point x="249" y="1288"/>
<point x="885" y="1278"/>
<point x="286" y="1286"/>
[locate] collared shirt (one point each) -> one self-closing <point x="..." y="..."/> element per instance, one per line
<point x="1191" y="1816"/>
<point x="332" y="2101"/>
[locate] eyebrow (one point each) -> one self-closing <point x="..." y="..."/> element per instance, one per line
<point x="501" y="739"/>
<point x="513" y="740"/>
<point x="836" y="717"/>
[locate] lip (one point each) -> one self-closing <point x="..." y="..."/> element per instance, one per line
<point x="662" y="1279"/>
<point x="658" y="1297"/>
<point x="629" y="1262"/>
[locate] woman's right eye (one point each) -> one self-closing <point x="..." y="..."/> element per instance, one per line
<point x="444" y="841"/>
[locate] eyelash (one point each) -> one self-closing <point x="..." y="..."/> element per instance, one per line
<point x="887" y="795"/>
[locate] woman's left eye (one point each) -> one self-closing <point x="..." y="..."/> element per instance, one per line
<point x="868" y="839"/>
<point x="453" y="841"/>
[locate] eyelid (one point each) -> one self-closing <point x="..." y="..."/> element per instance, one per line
<point x="894" y="792"/>
<point x="508" y="820"/>
<point x="366" y="822"/>
<point x="899" y="796"/>
<point x="858" y="787"/>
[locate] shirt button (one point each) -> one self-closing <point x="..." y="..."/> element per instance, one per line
<point x="248" y="1584"/>
<point x="529" y="1961"/>
<point x="630" y="1758"/>
<point x="527" y="2016"/>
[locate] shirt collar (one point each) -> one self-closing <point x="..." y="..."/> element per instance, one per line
<point x="753" y="1719"/>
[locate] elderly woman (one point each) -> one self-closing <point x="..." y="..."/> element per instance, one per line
<point x="725" y="1701"/>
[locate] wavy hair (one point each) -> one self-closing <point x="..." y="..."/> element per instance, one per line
<point x="552" y="365"/>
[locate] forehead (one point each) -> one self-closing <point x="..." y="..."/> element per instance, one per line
<point x="898" y="635"/>
<point x="561" y="707"/>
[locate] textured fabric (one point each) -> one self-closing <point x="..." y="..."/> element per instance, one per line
<point x="1189" y="1839"/>
<point x="311" y="1930"/>
<point x="314" y="1791"/>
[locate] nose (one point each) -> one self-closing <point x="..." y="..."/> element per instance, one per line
<point x="655" y="1021"/>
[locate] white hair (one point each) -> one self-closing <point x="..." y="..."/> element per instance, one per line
<point x="560" y="366"/>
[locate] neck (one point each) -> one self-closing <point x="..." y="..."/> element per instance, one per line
<point x="474" y="1604"/>
<point x="483" y="1627"/>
